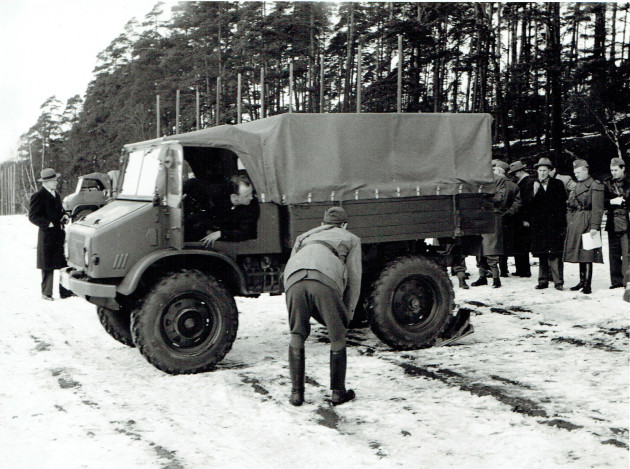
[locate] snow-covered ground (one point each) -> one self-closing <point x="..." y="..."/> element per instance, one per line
<point x="542" y="383"/>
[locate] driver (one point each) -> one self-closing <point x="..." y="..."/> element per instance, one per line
<point x="227" y="212"/>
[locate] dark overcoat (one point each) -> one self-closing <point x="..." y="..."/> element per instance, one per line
<point x="585" y="209"/>
<point x="548" y="218"/>
<point x="523" y="234"/>
<point x="617" y="219"/>
<point x="509" y="217"/>
<point x="43" y="210"/>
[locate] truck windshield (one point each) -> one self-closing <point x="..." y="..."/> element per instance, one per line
<point x="141" y="173"/>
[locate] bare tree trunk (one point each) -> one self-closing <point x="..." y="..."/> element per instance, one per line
<point x="554" y="65"/>
<point x="349" y="60"/>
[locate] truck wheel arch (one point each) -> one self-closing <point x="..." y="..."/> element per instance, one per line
<point x="155" y="264"/>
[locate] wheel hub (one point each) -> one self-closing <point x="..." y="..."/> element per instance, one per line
<point x="187" y="322"/>
<point x="412" y="301"/>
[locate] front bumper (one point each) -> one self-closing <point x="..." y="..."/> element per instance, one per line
<point x="73" y="280"/>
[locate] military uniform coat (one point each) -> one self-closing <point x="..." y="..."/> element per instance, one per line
<point x="492" y="243"/>
<point x="585" y="209"/>
<point x="45" y="209"/>
<point x="509" y="217"/>
<point x="548" y="209"/>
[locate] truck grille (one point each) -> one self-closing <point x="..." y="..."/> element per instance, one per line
<point x="76" y="242"/>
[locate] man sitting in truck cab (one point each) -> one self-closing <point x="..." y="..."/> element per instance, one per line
<point x="226" y="212"/>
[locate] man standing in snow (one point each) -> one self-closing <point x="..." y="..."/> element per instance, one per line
<point x="45" y="211"/>
<point x="323" y="280"/>
<point x="548" y="212"/>
<point x="617" y="202"/>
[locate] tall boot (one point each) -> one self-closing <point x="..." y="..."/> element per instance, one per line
<point x="461" y="276"/>
<point x="338" y="360"/>
<point x="496" y="281"/>
<point x="296" y="370"/>
<point x="482" y="280"/>
<point x="588" y="277"/>
<point x="580" y="285"/>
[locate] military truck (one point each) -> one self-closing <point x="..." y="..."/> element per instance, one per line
<point x="405" y="180"/>
<point x="92" y="192"/>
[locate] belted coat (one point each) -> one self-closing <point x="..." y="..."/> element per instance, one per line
<point x="44" y="209"/>
<point x="548" y="218"/>
<point x="585" y="209"/>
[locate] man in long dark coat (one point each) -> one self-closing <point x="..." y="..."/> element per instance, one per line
<point x="617" y="202"/>
<point x="523" y="238"/>
<point x="45" y="211"/>
<point x="585" y="210"/>
<point x="548" y="210"/>
<point x="509" y="219"/>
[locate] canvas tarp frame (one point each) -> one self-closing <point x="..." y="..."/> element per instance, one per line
<point x="298" y="158"/>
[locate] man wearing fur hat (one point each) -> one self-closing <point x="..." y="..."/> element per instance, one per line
<point x="45" y="211"/>
<point x="617" y="202"/>
<point x="585" y="210"/>
<point x="548" y="222"/>
<point x="323" y="280"/>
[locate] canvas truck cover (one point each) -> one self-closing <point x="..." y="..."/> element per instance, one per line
<point x="297" y="158"/>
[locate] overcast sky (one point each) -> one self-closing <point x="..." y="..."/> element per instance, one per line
<point x="49" y="47"/>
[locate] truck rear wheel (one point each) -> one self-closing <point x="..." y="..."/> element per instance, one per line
<point x="117" y="324"/>
<point x="186" y="323"/>
<point x="412" y="301"/>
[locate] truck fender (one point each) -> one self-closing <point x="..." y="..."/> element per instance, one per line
<point x="133" y="277"/>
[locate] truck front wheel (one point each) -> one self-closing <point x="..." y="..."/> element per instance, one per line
<point x="186" y="324"/>
<point x="412" y="301"/>
<point x="117" y="324"/>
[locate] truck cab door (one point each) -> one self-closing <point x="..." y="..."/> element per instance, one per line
<point x="171" y="159"/>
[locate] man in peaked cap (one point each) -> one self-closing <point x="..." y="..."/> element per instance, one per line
<point x="548" y="222"/>
<point x="323" y="280"/>
<point x="585" y="210"/>
<point x="45" y="211"/>
<point x="617" y="203"/>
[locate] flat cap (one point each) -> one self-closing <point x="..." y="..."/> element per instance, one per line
<point x="502" y="164"/>
<point x="617" y="162"/>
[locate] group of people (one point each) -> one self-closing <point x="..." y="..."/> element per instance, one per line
<point x="557" y="219"/>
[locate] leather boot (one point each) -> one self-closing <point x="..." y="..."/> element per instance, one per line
<point x="582" y="275"/>
<point x="482" y="280"/>
<point x="461" y="276"/>
<point x="296" y="370"/>
<point x="588" y="277"/>
<point x="338" y="362"/>
<point x="496" y="281"/>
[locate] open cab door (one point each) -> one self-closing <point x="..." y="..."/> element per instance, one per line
<point x="171" y="158"/>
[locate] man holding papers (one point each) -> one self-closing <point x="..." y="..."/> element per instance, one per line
<point x="585" y="208"/>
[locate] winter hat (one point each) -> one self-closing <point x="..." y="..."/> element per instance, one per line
<point x="517" y="166"/>
<point x="544" y="162"/>
<point x="617" y="162"/>
<point x="580" y="164"/>
<point x="335" y="216"/>
<point x="47" y="174"/>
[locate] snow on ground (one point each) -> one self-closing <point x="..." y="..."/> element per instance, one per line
<point x="543" y="383"/>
